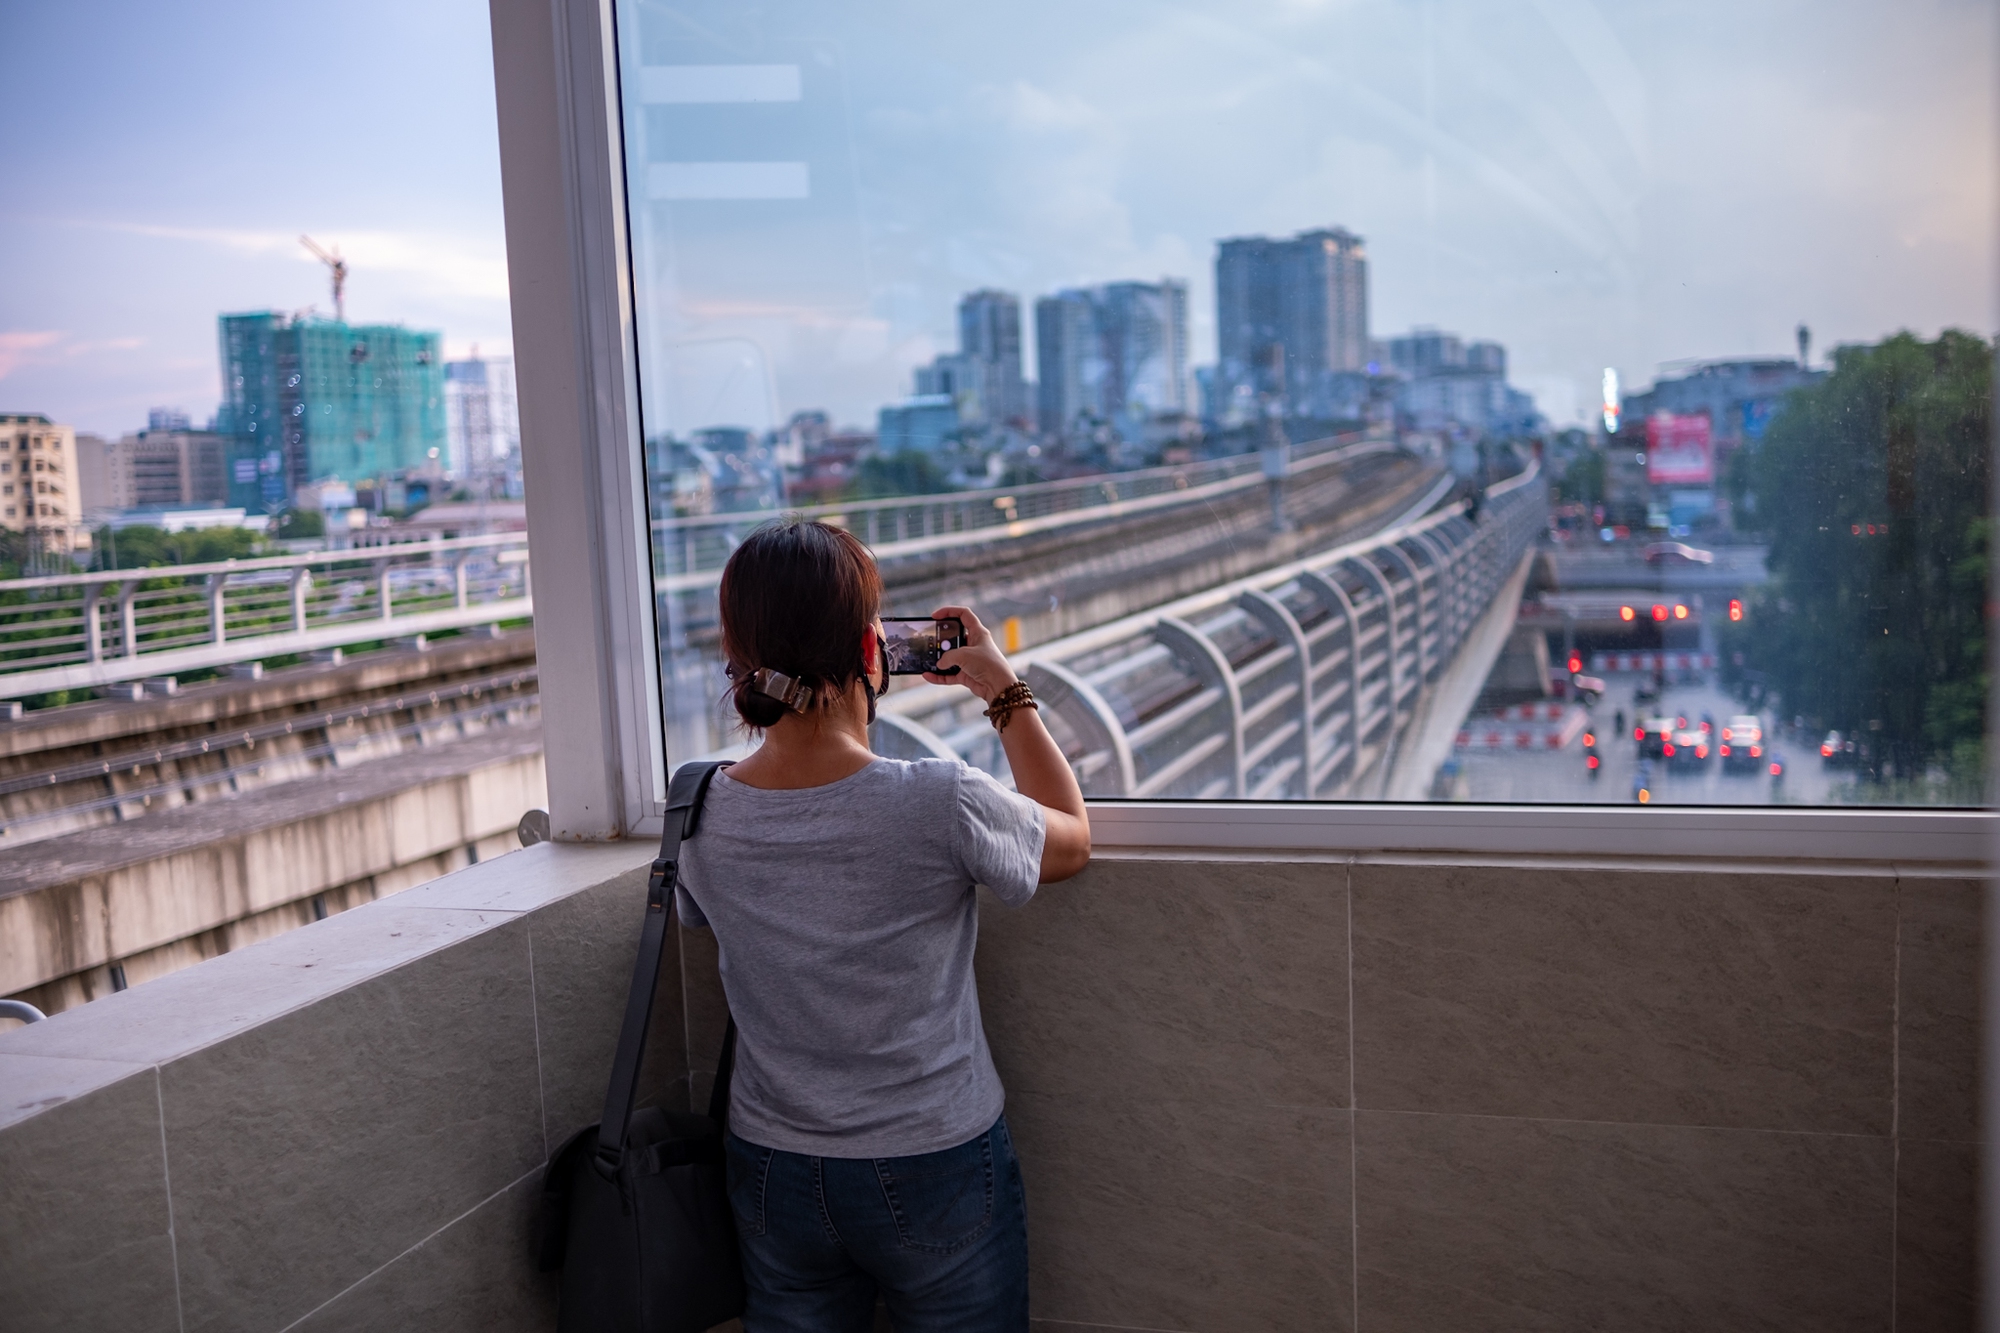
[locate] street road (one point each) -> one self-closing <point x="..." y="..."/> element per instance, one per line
<point x="1559" y="777"/>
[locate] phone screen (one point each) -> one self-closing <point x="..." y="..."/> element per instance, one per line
<point x="915" y="645"/>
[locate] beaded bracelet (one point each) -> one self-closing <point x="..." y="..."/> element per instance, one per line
<point x="1017" y="695"/>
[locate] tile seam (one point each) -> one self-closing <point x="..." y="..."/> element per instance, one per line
<point x="1353" y="1124"/>
<point x="412" y="1249"/>
<point x="1631" y="1124"/>
<point x="167" y="1181"/>
<point x="1895" y="1106"/>
<point x="535" y="1018"/>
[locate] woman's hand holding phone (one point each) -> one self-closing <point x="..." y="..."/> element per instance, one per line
<point x="982" y="667"/>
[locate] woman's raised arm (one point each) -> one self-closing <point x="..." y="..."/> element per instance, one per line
<point x="1040" y="772"/>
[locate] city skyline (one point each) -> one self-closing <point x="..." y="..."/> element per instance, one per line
<point x="1589" y="188"/>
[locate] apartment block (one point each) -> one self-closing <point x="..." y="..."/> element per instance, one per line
<point x="1307" y="295"/>
<point x="1114" y="354"/>
<point x="40" y="494"/>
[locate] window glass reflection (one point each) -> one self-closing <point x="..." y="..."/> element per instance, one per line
<point x="1352" y="401"/>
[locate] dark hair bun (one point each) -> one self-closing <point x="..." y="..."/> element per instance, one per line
<point x="795" y="597"/>
<point x="757" y="709"/>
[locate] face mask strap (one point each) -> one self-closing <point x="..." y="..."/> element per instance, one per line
<point x="868" y="681"/>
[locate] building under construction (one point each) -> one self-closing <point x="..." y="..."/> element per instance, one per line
<point x="306" y="399"/>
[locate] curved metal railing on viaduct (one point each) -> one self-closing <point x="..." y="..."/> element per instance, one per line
<point x="1297" y="683"/>
<point x="81" y="631"/>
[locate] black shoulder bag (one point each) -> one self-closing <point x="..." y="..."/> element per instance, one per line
<point x="635" y="1211"/>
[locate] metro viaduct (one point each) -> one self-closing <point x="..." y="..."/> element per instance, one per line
<point x="145" y="833"/>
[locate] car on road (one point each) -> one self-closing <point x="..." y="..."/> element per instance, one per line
<point x="1837" y="750"/>
<point x="1654" y="735"/>
<point x="1677" y="553"/>
<point x="1688" y="748"/>
<point x="1743" y="744"/>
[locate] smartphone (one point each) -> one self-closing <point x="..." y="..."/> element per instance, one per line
<point x="915" y="645"/>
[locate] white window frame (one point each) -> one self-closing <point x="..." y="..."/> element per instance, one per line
<point x="561" y="135"/>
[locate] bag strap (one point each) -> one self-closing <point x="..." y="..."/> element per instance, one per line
<point x="684" y="798"/>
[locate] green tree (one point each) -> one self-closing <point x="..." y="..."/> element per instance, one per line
<point x="145" y="548"/>
<point x="300" y="523"/>
<point x="1872" y="487"/>
<point x="1583" y="482"/>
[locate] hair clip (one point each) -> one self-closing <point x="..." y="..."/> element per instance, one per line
<point x="787" y="690"/>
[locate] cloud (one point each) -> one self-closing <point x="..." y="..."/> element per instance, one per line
<point x="44" y="346"/>
<point x="445" y="263"/>
<point x="16" y="348"/>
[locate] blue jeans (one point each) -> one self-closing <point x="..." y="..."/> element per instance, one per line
<point x="942" y="1236"/>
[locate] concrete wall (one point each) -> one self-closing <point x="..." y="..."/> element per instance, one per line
<point x="1369" y="1093"/>
<point x="189" y="883"/>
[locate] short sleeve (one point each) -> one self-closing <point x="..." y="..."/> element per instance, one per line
<point x="1000" y="836"/>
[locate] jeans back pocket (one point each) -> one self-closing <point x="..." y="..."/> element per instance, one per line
<point x="942" y="1201"/>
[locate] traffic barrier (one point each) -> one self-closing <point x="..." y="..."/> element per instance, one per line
<point x="1543" y="733"/>
<point x="1652" y="662"/>
<point x="1542" y="712"/>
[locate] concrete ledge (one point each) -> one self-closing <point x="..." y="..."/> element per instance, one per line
<point x="87" y="899"/>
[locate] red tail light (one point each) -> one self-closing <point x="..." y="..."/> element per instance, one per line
<point x="1638" y="733"/>
<point x="1735" y="609"/>
<point x="1725" y="733"/>
<point x="1591" y="762"/>
<point x="1575" y="664"/>
<point x="1725" y="749"/>
<point x="1701" y="752"/>
<point x="1826" y="752"/>
<point x="1667" y="750"/>
<point x="1756" y="750"/>
<point x="1625" y="613"/>
<point x="1590" y="738"/>
<point x="1659" y="613"/>
<point x="1777" y="770"/>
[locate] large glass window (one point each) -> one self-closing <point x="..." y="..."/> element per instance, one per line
<point x="1539" y="401"/>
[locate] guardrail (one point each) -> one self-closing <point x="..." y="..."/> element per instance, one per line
<point x="1296" y="683"/>
<point x="78" y="631"/>
<point x="689" y="552"/>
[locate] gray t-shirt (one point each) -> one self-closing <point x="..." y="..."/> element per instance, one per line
<point x="845" y="918"/>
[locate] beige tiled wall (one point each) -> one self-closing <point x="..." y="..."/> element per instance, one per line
<point x="1249" y="1095"/>
<point x="1389" y="1095"/>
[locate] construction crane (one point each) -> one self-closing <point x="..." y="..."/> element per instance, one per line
<point x="339" y="267"/>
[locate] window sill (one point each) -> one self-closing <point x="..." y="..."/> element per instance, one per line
<point x="1960" y="838"/>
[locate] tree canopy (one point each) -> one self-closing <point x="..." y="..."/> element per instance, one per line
<point x="145" y="548"/>
<point x="1872" y="487"/>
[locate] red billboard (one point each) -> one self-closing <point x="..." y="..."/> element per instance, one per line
<point x="1678" y="450"/>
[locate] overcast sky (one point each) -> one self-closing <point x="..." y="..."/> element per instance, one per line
<point x="1592" y="184"/>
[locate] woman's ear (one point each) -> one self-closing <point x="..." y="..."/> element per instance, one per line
<point x="870" y="651"/>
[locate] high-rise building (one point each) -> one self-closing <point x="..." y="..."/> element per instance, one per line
<point x="1115" y="354"/>
<point x="307" y="399"/>
<point x="1308" y="295"/>
<point x="923" y="424"/>
<point x="1450" y="384"/>
<point x="1424" y="352"/>
<point x="482" y="422"/>
<point x="39" y="490"/>
<point x="159" y="467"/>
<point x="989" y="336"/>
